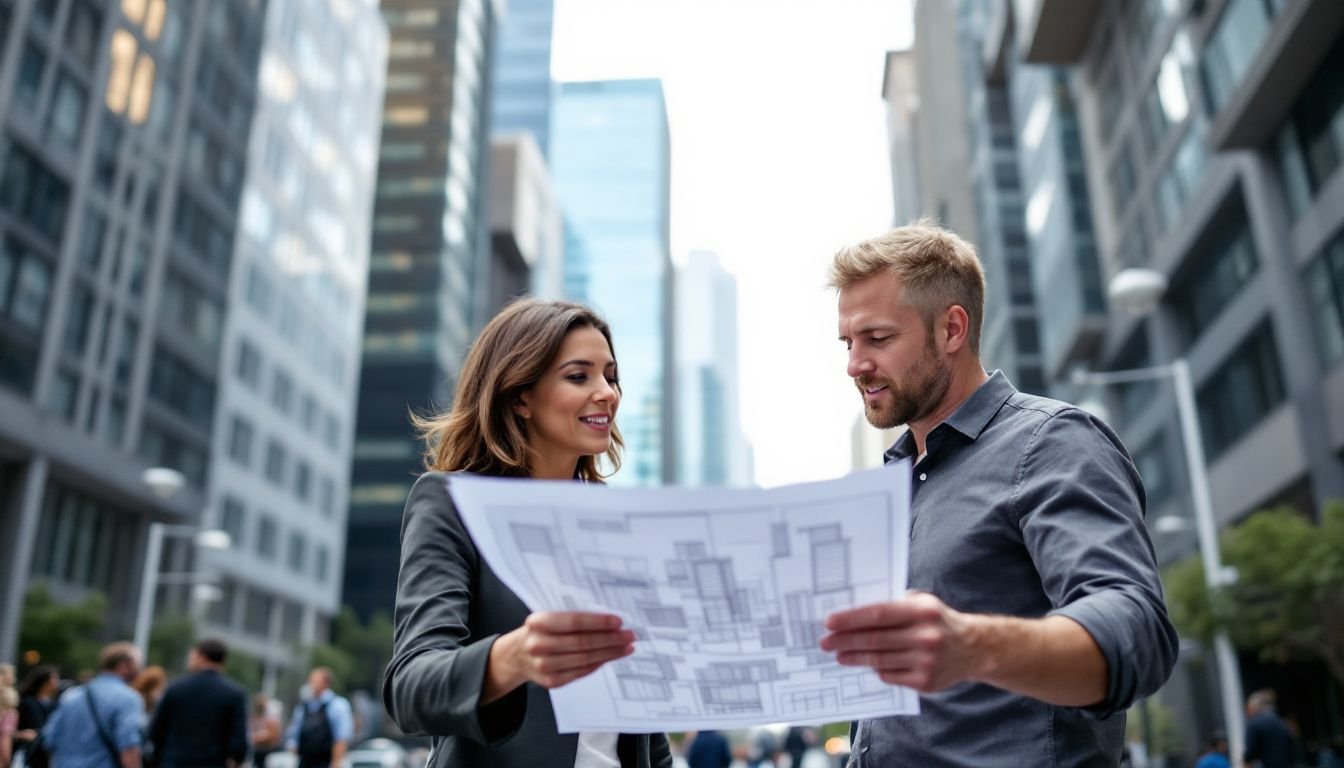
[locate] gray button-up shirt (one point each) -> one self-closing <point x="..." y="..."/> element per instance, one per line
<point x="1025" y="506"/>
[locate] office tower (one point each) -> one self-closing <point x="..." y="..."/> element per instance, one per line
<point x="609" y="157"/>
<point x="121" y="166"/>
<point x="280" y="459"/>
<point x="714" y="450"/>
<point x="525" y="223"/>
<point x="428" y="269"/>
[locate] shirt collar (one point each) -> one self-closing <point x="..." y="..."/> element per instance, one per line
<point x="970" y="418"/>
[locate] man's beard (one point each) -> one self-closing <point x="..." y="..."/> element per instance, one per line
<point x="913" y="399"/>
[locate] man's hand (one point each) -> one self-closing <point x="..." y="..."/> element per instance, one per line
<point x="920" y="643"/>
<point x="916" y="642"/>
<point x="554" y="648"/>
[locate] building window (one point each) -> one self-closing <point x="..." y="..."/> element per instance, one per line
<point x="308" y="413"/>
<point x="275" y="462"/>
<point x="189" y="309"/>
<point x="1231" y="49"/>
<point x="298" y="552"/>
<point x="33" y="193"/>
<point x="25" y="286"/>
<point x="233" y="520"/>
<point x="32" y="66"/>
<point x="1122" y="179"/>
<point x="177" y="386"/>
<point x="326" y="496"/>
<point x="1241" y="391"/>
<point x="67" y="109"/>
<point x="1324" y="283"/>
<point x="323" y="558"/>
<point x="1181" y="178"/>
<point x="1154" y="465"/>
<point x="240" y="441"/>
<point x="1311" y="143"/>
<point x="303" y="480"/>
<point x="282" y="391"/>
<point x="82" y="30"/>
<point x="268" y="535"/>
<point x="257" y="617"/>
<point x="1217" y="271"/>
<point x="248" y="365"/>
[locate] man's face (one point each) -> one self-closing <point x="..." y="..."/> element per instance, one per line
<point x="130" y="668"/>
<point x="317" y="683"/>
<point x="893" y="359"/>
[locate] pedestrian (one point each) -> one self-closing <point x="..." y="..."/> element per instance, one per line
<point x="265" y="729"/>
<point x="1269" y="743"/>
<point x="150" y="684"/>
<point x="1036" y="614"/>
<point x="99" y="724"/>
<point x="709" y="749"/>
<point x="201" y="721"/>
<point x="536" y="398"/>
<point x="322" y="725"/>
<point x="1216" y="756"/>
<point x="9" y="723"/>
<point x="37" y="699"/>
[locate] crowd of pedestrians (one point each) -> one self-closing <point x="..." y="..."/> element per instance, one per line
<point x="129" y="716"/>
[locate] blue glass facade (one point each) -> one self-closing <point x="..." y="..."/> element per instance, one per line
<point x="609" y="155"/>
<point x="523" y="90"/>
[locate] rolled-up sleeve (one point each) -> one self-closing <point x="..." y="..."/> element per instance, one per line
<point x="1079" y="502"/>
<point x="433" y="683"/>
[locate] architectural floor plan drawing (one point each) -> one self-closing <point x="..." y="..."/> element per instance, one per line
<point x="726" y="591"/>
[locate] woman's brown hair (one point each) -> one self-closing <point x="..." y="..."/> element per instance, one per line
<point x="482" y="433"/>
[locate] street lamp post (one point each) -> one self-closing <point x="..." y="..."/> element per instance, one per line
<point x="165" y="483"/>
<point x="1139" y="290"/>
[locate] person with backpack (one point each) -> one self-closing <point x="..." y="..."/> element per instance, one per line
<point x="323" y="723"/>
<point x="98" y="724"/>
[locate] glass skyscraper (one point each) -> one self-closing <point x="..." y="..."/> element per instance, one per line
<point x="522" y="92"/>
<point x="610" y="158"/>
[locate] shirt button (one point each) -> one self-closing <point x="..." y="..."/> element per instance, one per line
<point x="923" y="476"/>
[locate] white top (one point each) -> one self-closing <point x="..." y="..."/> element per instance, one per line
<point x="597" y="750"/>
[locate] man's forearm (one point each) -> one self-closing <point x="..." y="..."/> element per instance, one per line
<point x="337" y="754"/>
<point x="1052" y="659"/>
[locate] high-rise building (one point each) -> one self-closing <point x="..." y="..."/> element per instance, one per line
<point x="714" y="450"/>
<point x="523" y="89"/>
<point x="122" y="161"/>
<point x="1206" y="131"/>
<point x="900" y="92"/>
<point x="429" y="266"/>
<point x="279" y="467"/>
<point x="520" y="105"/>
<point x="610" y="158"/>
<point x="967" y="113"/>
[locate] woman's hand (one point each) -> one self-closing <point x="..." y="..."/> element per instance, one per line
<point x="552" y="649"/>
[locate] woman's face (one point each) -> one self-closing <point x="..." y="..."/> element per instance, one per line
<point x="51" y="686"/>
<point x="570" y="411"/>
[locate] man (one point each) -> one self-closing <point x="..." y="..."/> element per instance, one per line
<point x="709" y="750"/>
<point x="201" y="721"/>
<point x="98" y="724"/>
<point x="320" y="730"/>
<point x="1037" y="616"/>
<point x="1216" y="757"/>
<point x="1269" y="743"/>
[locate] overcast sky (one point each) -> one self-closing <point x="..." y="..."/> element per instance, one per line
<point x="778" y="158"/>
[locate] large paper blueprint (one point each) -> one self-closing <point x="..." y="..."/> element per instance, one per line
<point x="726" y="590"/>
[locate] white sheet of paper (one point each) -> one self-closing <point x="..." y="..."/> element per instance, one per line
<point x="726" y="589"/>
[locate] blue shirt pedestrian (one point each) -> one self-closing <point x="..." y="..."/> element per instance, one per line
<point x="339" y="715"/>
<point x="75" y="738"/>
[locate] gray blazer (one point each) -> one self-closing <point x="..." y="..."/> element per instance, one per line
<point x="450" y="608"/>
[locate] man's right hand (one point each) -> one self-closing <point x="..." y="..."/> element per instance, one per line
<point x="552" y="649"/>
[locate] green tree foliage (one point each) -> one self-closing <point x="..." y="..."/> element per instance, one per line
<point x="1288" y="600"/>
<point x="170" y="639"/>
<point x="358" y="653"/>
<point x="62" y="634"/>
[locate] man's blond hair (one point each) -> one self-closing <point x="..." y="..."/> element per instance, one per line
<point x="936" y="267"/>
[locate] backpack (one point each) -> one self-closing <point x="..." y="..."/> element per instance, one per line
<point x="315" y="738"/>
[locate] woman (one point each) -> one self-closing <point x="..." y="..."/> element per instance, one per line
<point x="150" y="684"/>
<point x="536" y="398"/>
<point x="264" y="728"/>
<point x="37" y="699"/>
